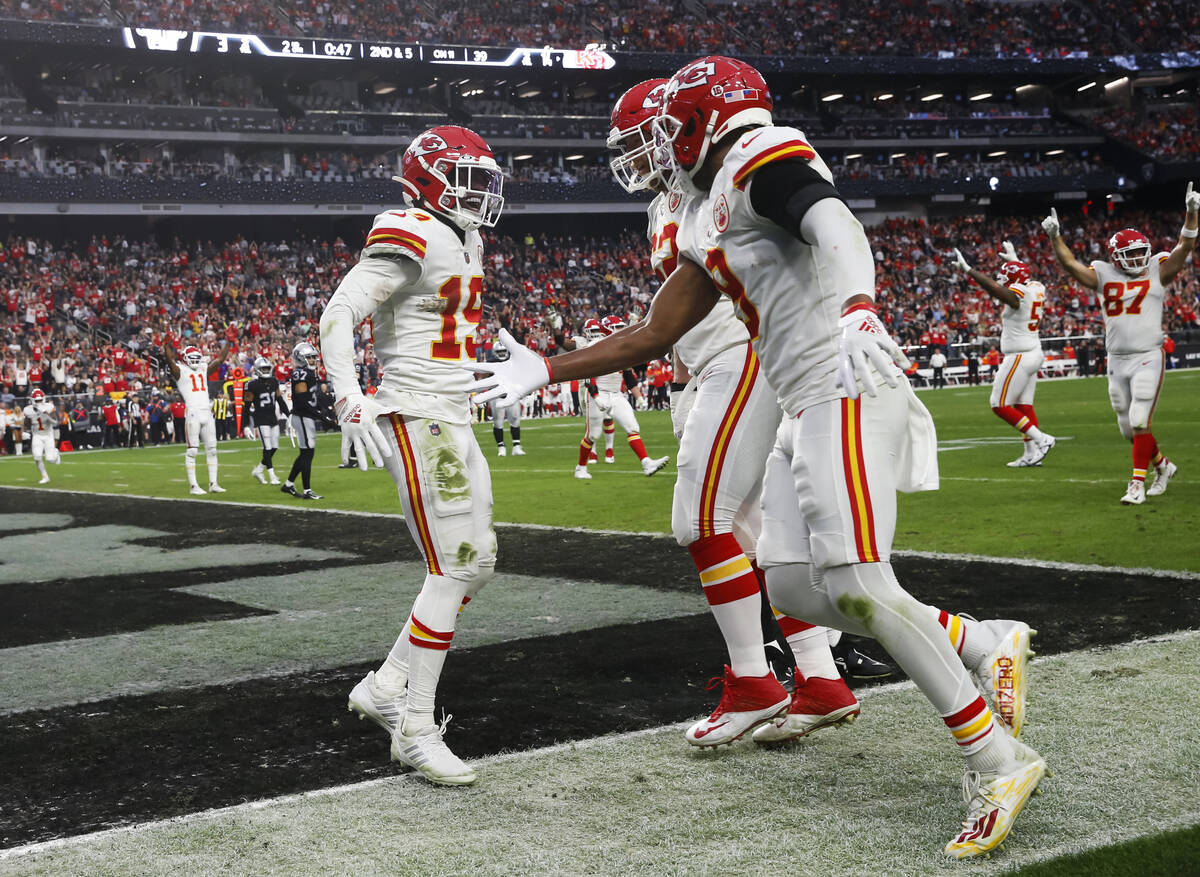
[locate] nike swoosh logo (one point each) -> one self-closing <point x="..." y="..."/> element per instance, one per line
<point x="750" y="139"/>
<point x="708" y="731"/>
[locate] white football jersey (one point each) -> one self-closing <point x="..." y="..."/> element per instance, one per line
<point x="720" y="329"/>
<point x="783" y="290"/>
<point x="610" y="383"/>
<point x="193" y="386"/>
<point x="425" y="329"/>
<point x="1019" y="325"/>
<point x="42" y="418"/>
<point x="1133" y="307"/>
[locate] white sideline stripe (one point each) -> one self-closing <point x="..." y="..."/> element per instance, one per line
<point x="927" y="555"/>
<point x="501" y="758"/>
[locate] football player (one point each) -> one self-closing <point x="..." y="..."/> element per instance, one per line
<point x="304" y="378"/>
<point x="608" y="404"/>
<point x="1016" y="378"/>
<point x="259" y="409"/>
<point x="191" y="377"/>
<point x="501" y="414"/>
<point x="1132" y="286"/>
<point x="762" y="223"/>
<point x="420" y="277"/>
<point x="726" y="419"/>
<point x="41" y="420"/>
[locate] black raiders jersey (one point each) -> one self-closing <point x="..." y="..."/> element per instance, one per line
<point x="305" y="404"/>
<point x="261" y="396"/>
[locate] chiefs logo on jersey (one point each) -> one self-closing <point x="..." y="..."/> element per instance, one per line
<point x="721" y="214"/>
<point x="673" y="201"/>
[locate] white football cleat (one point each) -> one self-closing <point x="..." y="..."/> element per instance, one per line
<point x="44" y="480"/>
<point x="610" y="457"/>
<point x="1002" y="673"/>
<point x="197" y="490"/>
<point x="428" y="753"/>
<point x="649" y="466"/>
<point x="582" y="472"/>
<point x="518" y="451"/>
<point x="370" y="703"/>
<point x="1041" y="447"/>
<point x="257" y="472"/>
<point x="271" y="479"/>
<point x="501" y="451"/>
<point x="1026" y="459"/>
<point x="1162" y="477"/>
<point x="1135" y="494"/>
<point x="994" y="801"/>
<point x="215" y="488"/>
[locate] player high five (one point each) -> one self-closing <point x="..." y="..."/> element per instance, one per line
<point x="1132" y="285"/>
<point x="191" y="379"/>
<point x="1016" y="379"/>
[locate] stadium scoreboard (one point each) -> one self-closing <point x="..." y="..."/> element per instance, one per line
<point x="195" y="42"/>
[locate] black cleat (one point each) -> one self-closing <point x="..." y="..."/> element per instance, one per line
<point x="853" y="664"/>
<point x="287" y="488"/>
<point x="308" y="494"/>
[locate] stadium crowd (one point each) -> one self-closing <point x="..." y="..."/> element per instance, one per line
<point x="966" y="28"/>
<point x="1169" y="134"/>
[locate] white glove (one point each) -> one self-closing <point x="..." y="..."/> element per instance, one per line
<point x="249" y="432"/>
<point x="1050" y="223"/>
<point x="865" y="338"/>
<point x="357" y="418"/>
<point x="642" y="404"/>
<point x="682" y="402"/>
<point x="1191" y="199"/>
<point x="1008" y="252"/>
<point x="959" y="262"/>
<point x="523" y="372"/>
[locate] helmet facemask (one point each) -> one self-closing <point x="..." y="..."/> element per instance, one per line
<point x="471" y="190"/>
<point x="1133" y="259"/>
<point x="635" y="166"/>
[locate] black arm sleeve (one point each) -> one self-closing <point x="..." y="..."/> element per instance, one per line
<point x="783" y="191"/>
<point x="630" y="378"/>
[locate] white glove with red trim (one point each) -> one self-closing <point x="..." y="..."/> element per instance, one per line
<point x="959" y="262"/>
<point x="1009" y="253"/>
<point x="1051" y="224"/>
<point x="1191" y="199"/>
<point x="865" y="342"/>
<point x="357" y="416"/>
<point x="511" y="380"/>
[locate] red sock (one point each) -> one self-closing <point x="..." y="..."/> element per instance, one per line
<point x="725" y="571"/>
<point x="1013" y="417"/>
<point x="639" y="447"/>
<point x="1143" y="450"/>
<point x="1027" y="410"/>
<point x="585" y="450"/>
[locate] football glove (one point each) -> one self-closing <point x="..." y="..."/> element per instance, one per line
<point x="356" y="415"/>
<point x="249" y="432"/>
<point x="523" y="372"/>
<point x="865" y="342"/>
<point x="681" y="406"/>
<point x="1050" y="223"/>
<point x="959" y="262"/>
<point x="1008" y="252"/>
<point x="1191" y="199"/>
<point x="642" y="403"/>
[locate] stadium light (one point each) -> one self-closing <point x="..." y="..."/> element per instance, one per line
<point x="1024" y="88"/>
<point x="837" y="95"/>
<point x="887" y="95"/>
<point x="382" y="88"/>
<point x="574" y="157"/>
<point x="853" y="155"/>
<point x="940" y="154"/>
<point x="998" y="153"/>
<point x="1116" y="82"/>
<point x="983" y="95"/>
<point x="1086" y="86"/>
<point x="899" y="154"/>
<point x="1054" y="152"/>
<point x="933" y="96"/>
<point x="522" y="156"/>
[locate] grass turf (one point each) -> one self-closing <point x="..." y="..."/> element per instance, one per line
<point x="1065" y="510"/>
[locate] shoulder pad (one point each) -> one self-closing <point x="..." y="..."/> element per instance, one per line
<point x="399" y="231"/>
<point x="764" y="145"/>
<point x="1017" y="291"/>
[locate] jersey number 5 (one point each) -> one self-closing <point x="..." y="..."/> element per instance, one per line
<point x="1035" y="315"/>
<point x="1114" y="297"/>
<point x="447" y="346"/>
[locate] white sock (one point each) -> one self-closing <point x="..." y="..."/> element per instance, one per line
<point x="392" y="675"/>
<point x="996" y="754"/>
<point x="189" y="464"/>
<point x="211" y="458"/>
<point x="1034" y="433"/>
<point x="41" y="467"/>
<point x="813" y="658"/>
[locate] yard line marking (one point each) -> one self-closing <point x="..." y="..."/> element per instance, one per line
<point x="589" y="743"/>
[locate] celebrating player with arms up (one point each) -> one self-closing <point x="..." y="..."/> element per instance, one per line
<point x="764" y="225"/>
<point x="1016" y="378"/>
<point x="726" y="421"/>
<point x="41" y="421"/>
<point x="420" y="278"/>
<point x="191" y="377"/>
<point x="1132" y="285"/>
<point x="262" y="395"/>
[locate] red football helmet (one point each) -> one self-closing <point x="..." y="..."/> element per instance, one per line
<point x="633" y="167"/>
<point x="1013" y="272"/>
<point x="1129" y="250"/>
<point x="193" y="357"/>
<point x="37" y="396"/>
<point x="451" y="171"/>
<point x="703" y="102"/>
<point x="593" y="329"/>
<point x="612" y="323"/>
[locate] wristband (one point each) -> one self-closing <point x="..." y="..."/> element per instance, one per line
<point x="861" y="306"/>
<point x="1186" y="232"/>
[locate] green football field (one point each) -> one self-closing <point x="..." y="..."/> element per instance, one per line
<point x="1065" y="510"/>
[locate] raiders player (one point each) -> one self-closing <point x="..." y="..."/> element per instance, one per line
<point x="420" y="279"/>
<point x="41" y="421"/>
<point x="305" y="415"/>
<point x="501" y="414"/>
<point x="262" y="397"/>
<point x="763" y="224"/>
<point x="191" y="377"/>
